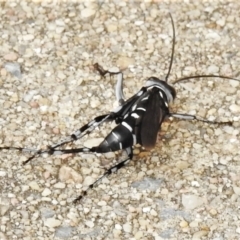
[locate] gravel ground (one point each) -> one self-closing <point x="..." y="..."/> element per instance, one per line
<point x="188" y="187"/>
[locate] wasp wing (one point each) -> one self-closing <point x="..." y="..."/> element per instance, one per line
<point x="151" y="118"/>
<point x="139" y="121"/>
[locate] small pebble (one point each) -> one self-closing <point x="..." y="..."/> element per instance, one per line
<point x="191" y="201"/>
<point x="90" y="224"/>
<point x="14" y="69"/>
<point x="198" y="235"/>
<point x="34" y="185"/>
<point x="52" y="222"/>
<point x="138" y="235"/>
<point x="235" y="108"/>
<point x="87" y="12"/>
<point x="127" y="227"/>
<point x="46" y="192"/>
<point x="60" y="185"/>
<point x="213" y="212"/>
<point x="68" y="175"/>
<point x="10" y="56"/>
<point x="183" y="224"/>
<point x="64" y="232"/>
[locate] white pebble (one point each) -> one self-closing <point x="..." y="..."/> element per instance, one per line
<point x="198" y="235"/>
<point x="109" y="155"/>
<point x="102" y="203"/>
<point x="13" y="68"/>
<point x="12" y="56"/>
<point x="182" y="165"/>
<point x="69" y="175"/>
<point x="87" y="12"/>
<point x="28" y="37"/>
<point x="92" y="142"/>
<point x="195" y="184"/>
<point x="234" y="83"/>
<point x="95" y="103"/>
<point x="213" y="69"/>
<point x="88" y="180"/>
<point x="197" y="146"/>
<point x="118" y="226"/>
<point x="153" y="212"/>
<point x="60" y="22"/>
<point x="127" y="227"/>
<point x="52" y="222"/>
<point x="3" y="173"/>
<point x="223" y="161"/>
<point x="29" y="95"/>
<point x="89" y="224"/>
<point x="191" y="201"/>
<point x="46" y="192"/>
<point x="60" y="185"/>
<point x="64" y="232"/>
<point x="213" y="35"/>
<point x="193" y="224"/>
<point x="43" y="109"/>
<point x="146" y="209"/>
<point x="3" y="236"/>
<point x="59" y="29"/>
<point x="236" y="190"/>
<point x="138" y="235"/>
<point x="221" y="21"/>
<point x="34" y="185"/>
<point x="235" y="108"/>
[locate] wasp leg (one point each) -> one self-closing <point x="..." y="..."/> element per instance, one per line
<point x="119" y="86"/>
<point x="111" y="170"/>
<point x="81" y="132"/>
<point x="85" y="130"/>
<point x="193" y="117"/>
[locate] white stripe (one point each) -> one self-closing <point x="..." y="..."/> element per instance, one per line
<point x="77" y="133"/>
<point x="127" y="126"/>
<point x="92" y="122"/>
<point x="161" y="94"/>
<point x="120" y="145"/>
<point x="134" y="139"/>
<point x="95" y="124"/>
<point x="140" y="93"/>
<point x="127" y="162"/>
<point x="135" y="115"/>
<point x="157" y="86"/>
<point x="57" y="152"/>
<point x="115" y="135"/>
<point x="143" y="109"/>
<point x="166" y="104"/>
<point x="145" y="98"/>
<point x="134" y="107"/>
<point x="114" y="169"/>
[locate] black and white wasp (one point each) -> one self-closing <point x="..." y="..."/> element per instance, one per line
<point x="138" y="119"/>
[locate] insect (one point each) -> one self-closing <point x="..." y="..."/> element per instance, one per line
<point x="138" y="119"/>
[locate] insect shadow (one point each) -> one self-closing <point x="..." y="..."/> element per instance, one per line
<point x="138" y="119"/>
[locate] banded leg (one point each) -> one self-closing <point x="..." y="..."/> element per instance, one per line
<point x="86" y="129"/>
<point x="111" y="170"/>
<point x="193" y="117"/>
<point x="119" y="85"/>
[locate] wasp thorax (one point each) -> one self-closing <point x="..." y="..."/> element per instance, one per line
<point x="163" y="85"/>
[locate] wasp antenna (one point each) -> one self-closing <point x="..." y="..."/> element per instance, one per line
<point x="204" y="76"/>
<point x="173" y="49"/>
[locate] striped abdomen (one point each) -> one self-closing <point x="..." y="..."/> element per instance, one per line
<point x="140" y="125"/>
